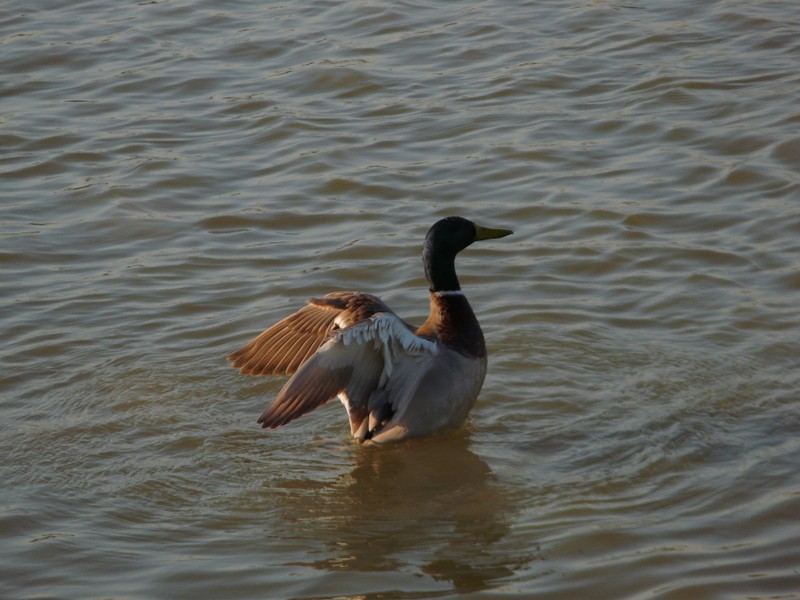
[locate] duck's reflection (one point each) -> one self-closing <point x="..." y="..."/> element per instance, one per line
<point x="432" y="505"/>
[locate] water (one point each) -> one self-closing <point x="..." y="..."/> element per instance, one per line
<point x="176" y="176"/>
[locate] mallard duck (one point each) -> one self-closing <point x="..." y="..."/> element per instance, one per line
<point x="396" y="381"/>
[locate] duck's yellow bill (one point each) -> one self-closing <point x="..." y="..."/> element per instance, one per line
<point x="487" y="233"/>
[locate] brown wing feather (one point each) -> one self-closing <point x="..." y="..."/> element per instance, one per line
<point x="303" y="395"/>
<point x="284" y="347"/>
<point x="350" y="368"/>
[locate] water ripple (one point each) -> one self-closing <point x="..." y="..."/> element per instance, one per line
<point x="178" y="175"/>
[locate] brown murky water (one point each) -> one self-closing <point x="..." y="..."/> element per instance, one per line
<point x="178" y="175"/>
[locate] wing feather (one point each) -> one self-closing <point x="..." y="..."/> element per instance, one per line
<point x="354" y="362"/>
<point x="284" y="347"/>
<point x="263" y="357"/>
<point x="303" y="355"/>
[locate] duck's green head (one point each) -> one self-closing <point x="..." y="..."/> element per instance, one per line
<point x="446" y="238"/>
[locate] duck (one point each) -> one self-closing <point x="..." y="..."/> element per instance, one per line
<point x="396" y="381"/>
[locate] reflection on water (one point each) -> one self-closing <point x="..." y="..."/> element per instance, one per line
<point x="430" y="505"/>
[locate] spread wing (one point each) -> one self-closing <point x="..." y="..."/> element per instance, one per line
<point x="356" y="363"/>
<point x="281" y="349"/>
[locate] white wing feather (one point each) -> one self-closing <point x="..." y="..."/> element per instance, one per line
<point x="352" y="364"/>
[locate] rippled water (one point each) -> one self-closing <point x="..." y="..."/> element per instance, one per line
<point x="178" y="175"/>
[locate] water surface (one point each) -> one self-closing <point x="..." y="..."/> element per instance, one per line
<point x="177" y="176"/>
